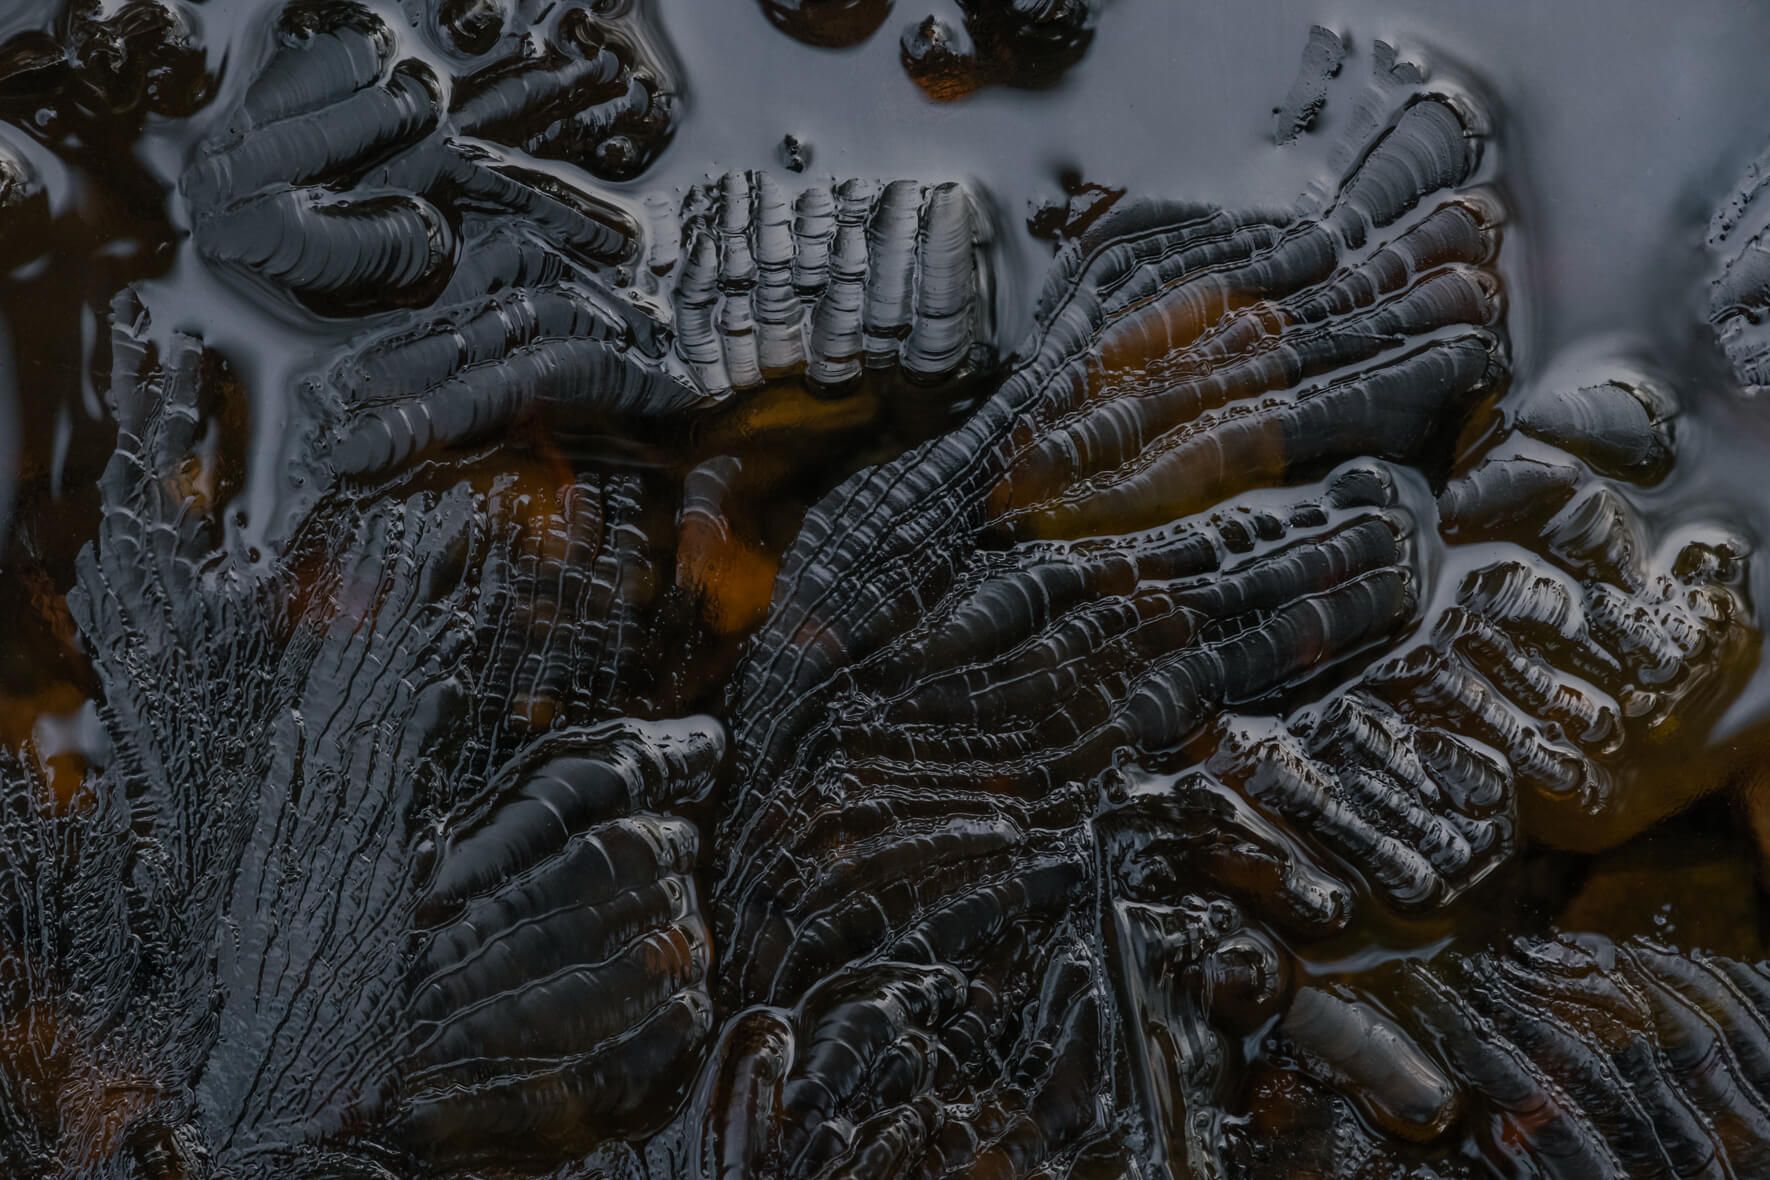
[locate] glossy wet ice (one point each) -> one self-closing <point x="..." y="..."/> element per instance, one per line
<point x="648" y="600"/>
<point x="1624" y="126"/>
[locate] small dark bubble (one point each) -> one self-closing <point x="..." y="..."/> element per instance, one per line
<point x="616" y="155"/>
<point x="795" y="153"/>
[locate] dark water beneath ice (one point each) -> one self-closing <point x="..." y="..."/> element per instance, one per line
<point x="1616" y="129"/>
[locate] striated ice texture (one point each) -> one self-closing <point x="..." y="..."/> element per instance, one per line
<point x="1563" y="1057"/>
<point x="717" y="709"/>
<point x="826" y="284"/>
<point x="1739" y="287"/>
<point x="355" y="176"/>
<point x="402" y="877"/>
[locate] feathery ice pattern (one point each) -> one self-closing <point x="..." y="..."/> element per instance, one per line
<point x="1248" y="600"/>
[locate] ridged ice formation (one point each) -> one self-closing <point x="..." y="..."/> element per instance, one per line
<point x="351" y="173"/>
<point x="852" y="1081"/>
<point x="1322" y="56"/>
<point x="1024" y="43"/>
<point x="848" y="286"/>
<point x="1569" y="668"/>
<point x="825" y="285"/>
<point x="397" y="750"/>
<point x="539" y="350"/>
<point x="69" y="966"/>
<point x="596" y="94"/>
<point x="1557" y="675"/>
<point x="1016" y="597"/>
<point x="1739" y="289"/>
<point x="1252" y="600"/>
<point x="1097" y="565"/>
<point x="1575" y="1057"/>
<point x="1029" y="671"/>
<point x="1594" y="649"/>
<point x="562" y="981"/>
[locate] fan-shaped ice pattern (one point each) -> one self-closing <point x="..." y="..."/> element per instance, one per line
<point x="388" y="750"/>
<point x="1739" y="288"/>
<point x="964" y="642"/>
<point x="1585" y="657"/>
<point x="561" y="988"/>
<point x="1249" y="601"/>
<point x="1087" y="620"/>
<point x="1574" y="1056"/>
<point x="1002" y="609"/>
<point x="848" y="281"/>
<point x="547" y="348"/>
<point x="351" y="170"/>
<point x="857" y="1079"/>
<point x="74" y="1028"/>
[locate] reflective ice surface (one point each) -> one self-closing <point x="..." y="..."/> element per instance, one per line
<point x="814" y="588"/>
